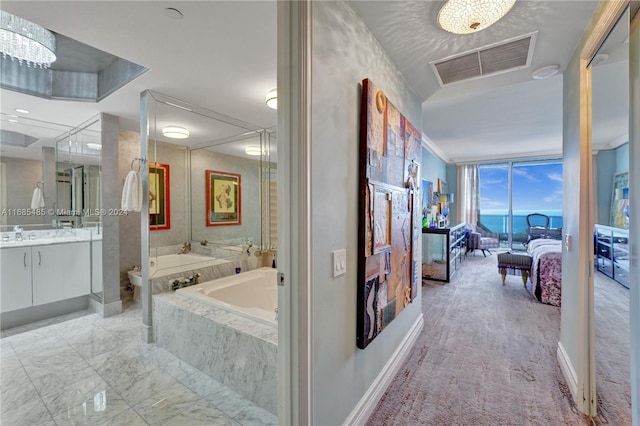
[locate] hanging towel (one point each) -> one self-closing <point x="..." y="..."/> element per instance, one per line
<point x="37" y="199"/>
<point x="132" y="192"/>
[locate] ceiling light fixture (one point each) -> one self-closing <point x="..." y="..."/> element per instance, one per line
<point x="545" y="72"/>
<point x="272" y="99"/>
<point x="26" y="42"/>
<point x="253" y="150"/>
<point x="175" y="132"/>
<point x="22" y="110"/>
<point x="94" y="146"/>
<point x="12" y="120"/>
<point x="470" y="16"/>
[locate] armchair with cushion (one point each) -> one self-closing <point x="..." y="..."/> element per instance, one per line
<point x="481" y="239"/>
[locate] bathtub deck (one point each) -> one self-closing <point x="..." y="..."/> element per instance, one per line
<point x="238" y="352"/>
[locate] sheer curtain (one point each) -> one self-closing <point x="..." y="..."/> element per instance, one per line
<point x="469" y="193"/>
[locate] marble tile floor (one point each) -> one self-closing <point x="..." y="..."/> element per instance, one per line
<point x="83" y="369"/>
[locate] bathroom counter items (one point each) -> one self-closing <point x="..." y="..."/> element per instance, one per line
<point x="48" y="237"/>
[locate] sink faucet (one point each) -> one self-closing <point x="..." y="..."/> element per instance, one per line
<point x="18" y="230"/>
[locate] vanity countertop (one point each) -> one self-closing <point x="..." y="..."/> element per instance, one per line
<point x="49" y="237"/>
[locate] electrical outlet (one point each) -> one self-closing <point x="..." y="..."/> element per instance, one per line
<point x="339" y="262"/>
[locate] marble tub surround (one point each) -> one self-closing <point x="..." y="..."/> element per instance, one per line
<point x="92" y="370"/>
<point x="238" y="352"/>
<point x="49" y="236"/>
<point x="162" y="284"/>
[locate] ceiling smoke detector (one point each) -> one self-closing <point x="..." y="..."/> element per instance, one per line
<point x="545" y="72"/>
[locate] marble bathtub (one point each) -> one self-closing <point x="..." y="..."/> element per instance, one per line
<point x="252" y="294"/>
<point x="237" y="351"/>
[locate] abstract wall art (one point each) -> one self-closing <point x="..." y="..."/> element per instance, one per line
<point x="390" y="214"/>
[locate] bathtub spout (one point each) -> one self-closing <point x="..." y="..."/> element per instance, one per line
<point x="186" y="248"/>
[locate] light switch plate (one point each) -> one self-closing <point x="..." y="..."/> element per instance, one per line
<point x="339" y="262"/>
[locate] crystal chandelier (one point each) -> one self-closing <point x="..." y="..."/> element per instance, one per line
<point x="26" y="42"/>
<point x="470" y="16"/>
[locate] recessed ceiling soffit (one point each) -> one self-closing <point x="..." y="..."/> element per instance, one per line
<point x="80" y="73"/>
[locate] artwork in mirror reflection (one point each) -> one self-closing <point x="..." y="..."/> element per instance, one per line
<point x="159" y="197"/>
<point x="223" y="198"/>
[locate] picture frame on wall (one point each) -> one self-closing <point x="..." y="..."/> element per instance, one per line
<point x="159" y="197"/>
<point x="223" y="198"/>
<point x="620" y="200"/>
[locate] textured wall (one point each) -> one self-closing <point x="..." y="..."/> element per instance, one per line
<point x="130" y="253"/>
<point x="343" y="53"/>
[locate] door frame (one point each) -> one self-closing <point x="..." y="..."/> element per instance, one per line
<point x="295" y="332"/>
<point x="605" y="17"/>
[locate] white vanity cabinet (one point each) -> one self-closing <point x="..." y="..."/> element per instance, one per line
<point x="15" y="278"/>
<point x="60" y="271"/>
<point x="40" y="274"/>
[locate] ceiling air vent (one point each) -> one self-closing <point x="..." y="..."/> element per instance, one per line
<point x="509" y="55"/>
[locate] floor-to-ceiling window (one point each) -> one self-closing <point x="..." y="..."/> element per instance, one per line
<point x="509" y="191"/>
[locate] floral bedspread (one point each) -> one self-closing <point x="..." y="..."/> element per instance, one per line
<point x="546" y="270"/>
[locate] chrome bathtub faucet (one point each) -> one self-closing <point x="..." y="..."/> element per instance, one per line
<point x="186" y="248"/>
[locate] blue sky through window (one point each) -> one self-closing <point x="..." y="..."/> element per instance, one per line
<point x="537" y="187"/>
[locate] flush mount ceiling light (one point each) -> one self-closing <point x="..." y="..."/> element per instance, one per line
<point x="545" y="72"/>
<point x="253" y="150"/>
<point x="470" y="16"/>
<point x="94" y="146"/>
<point x="26" y="42"/>
<point x="272" y="99"/>
<point x="22" y="110"/>
<point x="175" y="132"/>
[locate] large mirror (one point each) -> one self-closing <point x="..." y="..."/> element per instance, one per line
<point x="26" y="157"/>
<point x="218" y="183"/>
<point x="78" y="174"/>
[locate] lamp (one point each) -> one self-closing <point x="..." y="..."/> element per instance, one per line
<point x="469" y="16"/>
<point x="253" y="150"/>
<point x="272" y="99"/>
<point x="175" y="132"/>
<point x="26" y="42"/>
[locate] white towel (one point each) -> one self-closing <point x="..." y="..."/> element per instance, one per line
<point x="37" y="199"/>
<point x="132" y="192"/>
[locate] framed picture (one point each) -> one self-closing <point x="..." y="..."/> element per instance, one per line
<point x="620" y="200"/>
<point x="443" y="188"/>
<point x="223" y="198"/>
<point x="159" y="197"/>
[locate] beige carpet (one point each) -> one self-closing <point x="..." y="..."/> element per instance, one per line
<point x="487" y="356"/>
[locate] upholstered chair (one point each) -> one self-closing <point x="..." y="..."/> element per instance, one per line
<point x="481" y="239"/>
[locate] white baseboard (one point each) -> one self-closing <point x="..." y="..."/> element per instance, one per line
<point x="369" y="400"/>
<point x="568" y="371"/>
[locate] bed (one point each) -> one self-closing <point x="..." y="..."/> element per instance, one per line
<point x="546" y="270"/>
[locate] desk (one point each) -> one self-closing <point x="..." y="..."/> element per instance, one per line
<point x="442" y="252"/>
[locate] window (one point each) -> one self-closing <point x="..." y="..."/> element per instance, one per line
<point x="510" y="191"/>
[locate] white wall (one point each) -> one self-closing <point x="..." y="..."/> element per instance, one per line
<point x="343" y="53"/>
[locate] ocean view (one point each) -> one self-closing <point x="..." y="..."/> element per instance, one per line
<point x="498" y="220"/>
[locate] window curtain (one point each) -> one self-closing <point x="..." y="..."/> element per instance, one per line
<point x="469" y="190"/>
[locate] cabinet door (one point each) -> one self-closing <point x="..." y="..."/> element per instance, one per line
<point x="61" y="271"/>
<point x="15" y="278"/>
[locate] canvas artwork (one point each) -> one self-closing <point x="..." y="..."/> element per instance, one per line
<point x="390" y="209"/>
<point x="619" y="215"/>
